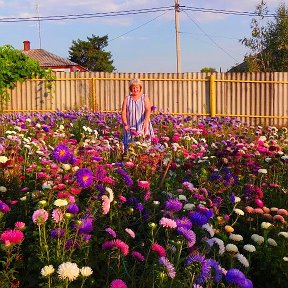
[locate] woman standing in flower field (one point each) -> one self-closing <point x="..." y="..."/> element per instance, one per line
<point x="136" y="110"/>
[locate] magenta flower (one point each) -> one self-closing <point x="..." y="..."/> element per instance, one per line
<point x="117" y="243"/>
<point x="40" y="216"/>
<point x="84" y="177"/>
<point x="118" y="283"/>
<point x="12" y="236"/>
<point x="143" y="184"/>
<point x="138" y="256"/>
<point x="160" y="250"/>
<point x="111" y="232"/>
<point x="20" y="225"/>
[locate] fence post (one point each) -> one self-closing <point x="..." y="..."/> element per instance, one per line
<point x="212" y="96"/>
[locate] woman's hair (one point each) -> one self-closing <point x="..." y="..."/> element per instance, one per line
<point x="134" y="82"/>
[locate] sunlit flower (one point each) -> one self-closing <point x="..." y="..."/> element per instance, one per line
<point x="105" y="204"/>
<point x="239" y="211"/>
<point x="229" y="229"/>
<point x="3" y="159"/>
<point x="47" y="270"/>
<point x="62" y="153"/>
<point x="84" y="177"/>
<point x="60" y="202"/>
<point x="68" y="271"/>
<point x="236" y="237"/>
<point x="231" y="248"/>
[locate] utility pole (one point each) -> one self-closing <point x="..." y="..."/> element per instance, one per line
<point x="177" y="10"/>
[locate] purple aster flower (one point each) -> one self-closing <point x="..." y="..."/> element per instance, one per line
<point x="84" y="177"/>
<point x="183" y="222"/>
<point x="215" y="177"/>
<point x="4" y="207"/>
<point x="72" y="208"/>
<point x="86" y="226"/>
<point x="57" y="233"/>
<point x="198" y="218"/>
<point x="111" y="232"/>
<point x="188" y="234"/>
<point x="169" y="267"/>
<point x="247" y="283"/>
<point x="62" y="153"/>
<point x="235" y="276"/>
<point x="173" y="205"/>
<point x="216" y="272"/>
<point x="127" y="179"/>
<point x="199" y="266"/>
<point x="71" y="244"/>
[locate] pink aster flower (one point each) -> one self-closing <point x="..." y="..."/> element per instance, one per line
<point x="160" y="250"/>
<point x="117" y="243"/>
<point x="12" y="236"/>
<point x="122" y="198"/>
<point x="168" y="223"/>
<point x="130" y="232"/>
<point x="105" y="204"/>
<point x="279" y="218"/>
<point x="20" y="225"/>
<point x="40" y="216"/>
<point x="57" y="215"/>
<point x="111" y="232"/>
<point x="249" y="209"/>
<point x="282" y="212"/>
<point x="129" y="164"/>
<point x="143" y="184"/>
<point x="118" y="283"/>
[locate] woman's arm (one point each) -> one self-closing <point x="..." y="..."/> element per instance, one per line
<point x="124" y="114"/>
<point x="147" y="104"/>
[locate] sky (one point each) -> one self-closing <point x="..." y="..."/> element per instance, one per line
<point x="138" y="42"/>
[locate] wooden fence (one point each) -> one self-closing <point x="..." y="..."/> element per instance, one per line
<point x="255" y="98"/>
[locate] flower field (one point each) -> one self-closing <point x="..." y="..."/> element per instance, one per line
<point x="204" y="204"/>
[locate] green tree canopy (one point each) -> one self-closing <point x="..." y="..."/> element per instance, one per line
<point x="90" y="54"/>
<point x="16" y="66"/>
<point x="268" y="43"/>
<point x="208" y="70"/>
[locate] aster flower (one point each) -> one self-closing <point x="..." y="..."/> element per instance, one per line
<point x="84" y="177"/>
<point x="130" y="232"/>
<point x="118" y="283"/>
<point x="168" y="223"/>
<point x="235" y="276"/>
<point x="72" y="208"/>
<point x="219" y="242"/>
<point x="85" y="226"/>
<point x="62" y="153"/>
<point x="143" y="184"/>
<point x="86" y="271"/>
<point x="40" y="216"/>
<point x="183" y="222"/>
<point x="169" y="267"/>
<point x="158" y="249"/>
<point x="20" y="225"/>
<point x="46" y="271"/>
<point x="12" y="236"/>
<point x="57" y="215"/>
<point x="57" y="233"/>
<point x="249" y="248"/>
<point x="105" y="204"/>
<point x="216" y="272"/>
<point x="173" y="205"/>
<point x="111" y="232"/>
<point x="117" y="243"/>
<point x="209" y="229"/>
<point x="188" y="234"/>
<point x="138" y="256"/>
<point x="242" y="259"/>
<point x="231" y="248"/>
<point x="200" y="266"/>
<point x="236" y="237"/>
<point x="60" y="202"/>
<point x="68" y="271"/>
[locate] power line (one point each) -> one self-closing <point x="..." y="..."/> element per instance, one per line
<point x="86" y="15"/>
<point x="211" y="39"/>
<point x="136" y="28"/>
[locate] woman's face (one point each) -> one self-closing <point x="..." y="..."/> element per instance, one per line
<point x="135" y="89"/>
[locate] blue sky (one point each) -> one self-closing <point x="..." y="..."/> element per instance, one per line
<point x="141" y="42"/>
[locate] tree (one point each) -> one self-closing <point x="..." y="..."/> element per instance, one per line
<point x="268" y="42"/>
<point x="90" y="54"/>
<point x="208" y="70"/>
<point x="16" y="66"/>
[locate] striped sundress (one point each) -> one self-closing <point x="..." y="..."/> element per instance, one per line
<point x="135" y="111"/>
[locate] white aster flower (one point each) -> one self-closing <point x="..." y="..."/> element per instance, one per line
<point x="235" y="237"/>
<point x="237" y="199"/>
<point x="66" y="166"/>
<point x="188" y="206"/>
<point x="219" y="242"/>
<point x="111" y="193"/>
<point x="265" y="225"/>
<point x="272" y="242"/>
<point x="86" y="271"/>
<point x="243" y="260"/>
<point x="209" y="229"/>
<point x="3" y="189"/>
<point x="262" y="171"/>
<point x="47" y="185"/>
<point x="257" y="238"/>
<point x="3" y="159"/>
<point x="182" y="197"/>
<point x="68" y="271"/>
<point x="283" y="233"/>
<point x="249" y="248"/>
<point x="155" y="202"/>
<point x="47" y="270"/>
<point x="231" y="248"/>
<point x="285" y="259"/>
<point x="239" y="211"/>
<point x="60" y="202"/>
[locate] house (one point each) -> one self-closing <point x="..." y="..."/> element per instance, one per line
<point x="50" y="60"/>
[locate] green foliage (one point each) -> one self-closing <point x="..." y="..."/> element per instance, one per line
<point x="90" y="54"/>
<point x="268" y="42"/>
<point x="15" y="66"/>
<point x="208" y="70"/>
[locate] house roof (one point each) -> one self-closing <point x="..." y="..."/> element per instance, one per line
<point x="47" y="59"/>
